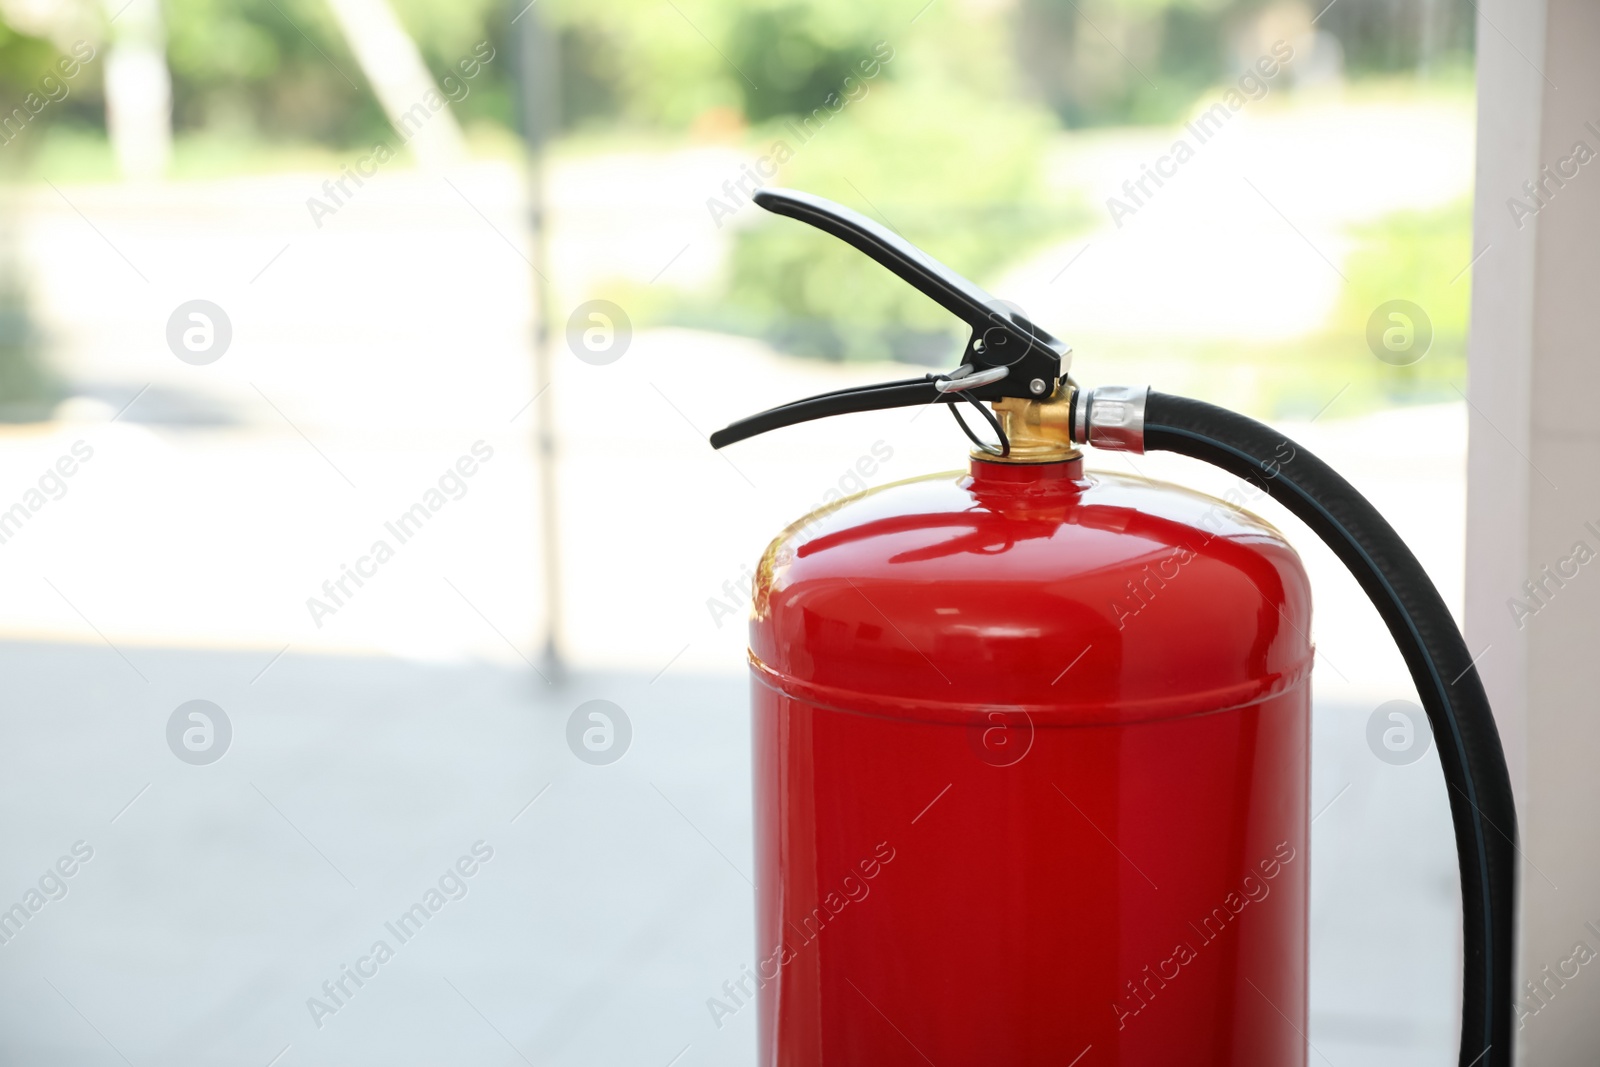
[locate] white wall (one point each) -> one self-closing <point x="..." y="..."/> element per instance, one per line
<point x="1534" y="484"/>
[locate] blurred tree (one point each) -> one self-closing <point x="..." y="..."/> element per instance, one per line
<point x="671" y="64"/>
<point x="938" y="145"/>
<point x="794" y="58"/>
<point x="282" y="68"/>
<point x="27" y="391"/>
<point x="1399" y="35"/>
<point x="275" y="67"/>
<point x="24" y="59"/>
<point x="1094" y="62"/>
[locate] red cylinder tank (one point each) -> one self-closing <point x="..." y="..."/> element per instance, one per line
<point x="1031" y="776"/>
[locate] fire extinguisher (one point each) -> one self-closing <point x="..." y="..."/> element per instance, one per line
<point x="1032" y="744"/>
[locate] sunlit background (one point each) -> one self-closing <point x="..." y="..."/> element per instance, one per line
<point x="431" y="233"/>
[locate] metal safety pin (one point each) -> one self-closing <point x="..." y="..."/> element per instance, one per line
<point x="962" y="378"/>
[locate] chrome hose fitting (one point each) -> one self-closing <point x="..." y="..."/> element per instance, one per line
<point x="1111" y="417"/>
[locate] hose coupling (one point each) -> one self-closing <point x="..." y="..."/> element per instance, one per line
<point x="1111" y="417"/>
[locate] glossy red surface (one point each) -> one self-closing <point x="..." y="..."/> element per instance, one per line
<point x="1032" y="766"/>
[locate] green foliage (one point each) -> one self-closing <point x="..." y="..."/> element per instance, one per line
<point x="278" y="67"/>
<point x="794" y="58"/>
<point x="657" y="63"/>
<point x="23" y="61"/>
<point x="1417" y="257"/>
<point x="282" y="68"/>
<point x="26" y="63"/>
<point x="26" y="388"/>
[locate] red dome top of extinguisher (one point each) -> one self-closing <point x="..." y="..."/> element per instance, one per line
<point x="1034" y="588"/>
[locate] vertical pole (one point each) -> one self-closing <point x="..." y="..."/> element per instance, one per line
<point x="540" y="115"/>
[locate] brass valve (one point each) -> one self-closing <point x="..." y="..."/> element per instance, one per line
<point x="1040" y="431"/>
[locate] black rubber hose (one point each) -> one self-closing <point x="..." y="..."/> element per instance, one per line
<point x="1481" y="803"/>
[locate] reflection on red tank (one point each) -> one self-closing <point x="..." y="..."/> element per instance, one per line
<point x="1032" y="767"/>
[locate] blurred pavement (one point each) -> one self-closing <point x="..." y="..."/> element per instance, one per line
<point x="220" y="898"/>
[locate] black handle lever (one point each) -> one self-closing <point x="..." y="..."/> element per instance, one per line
<point x="1021" y="360"/>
